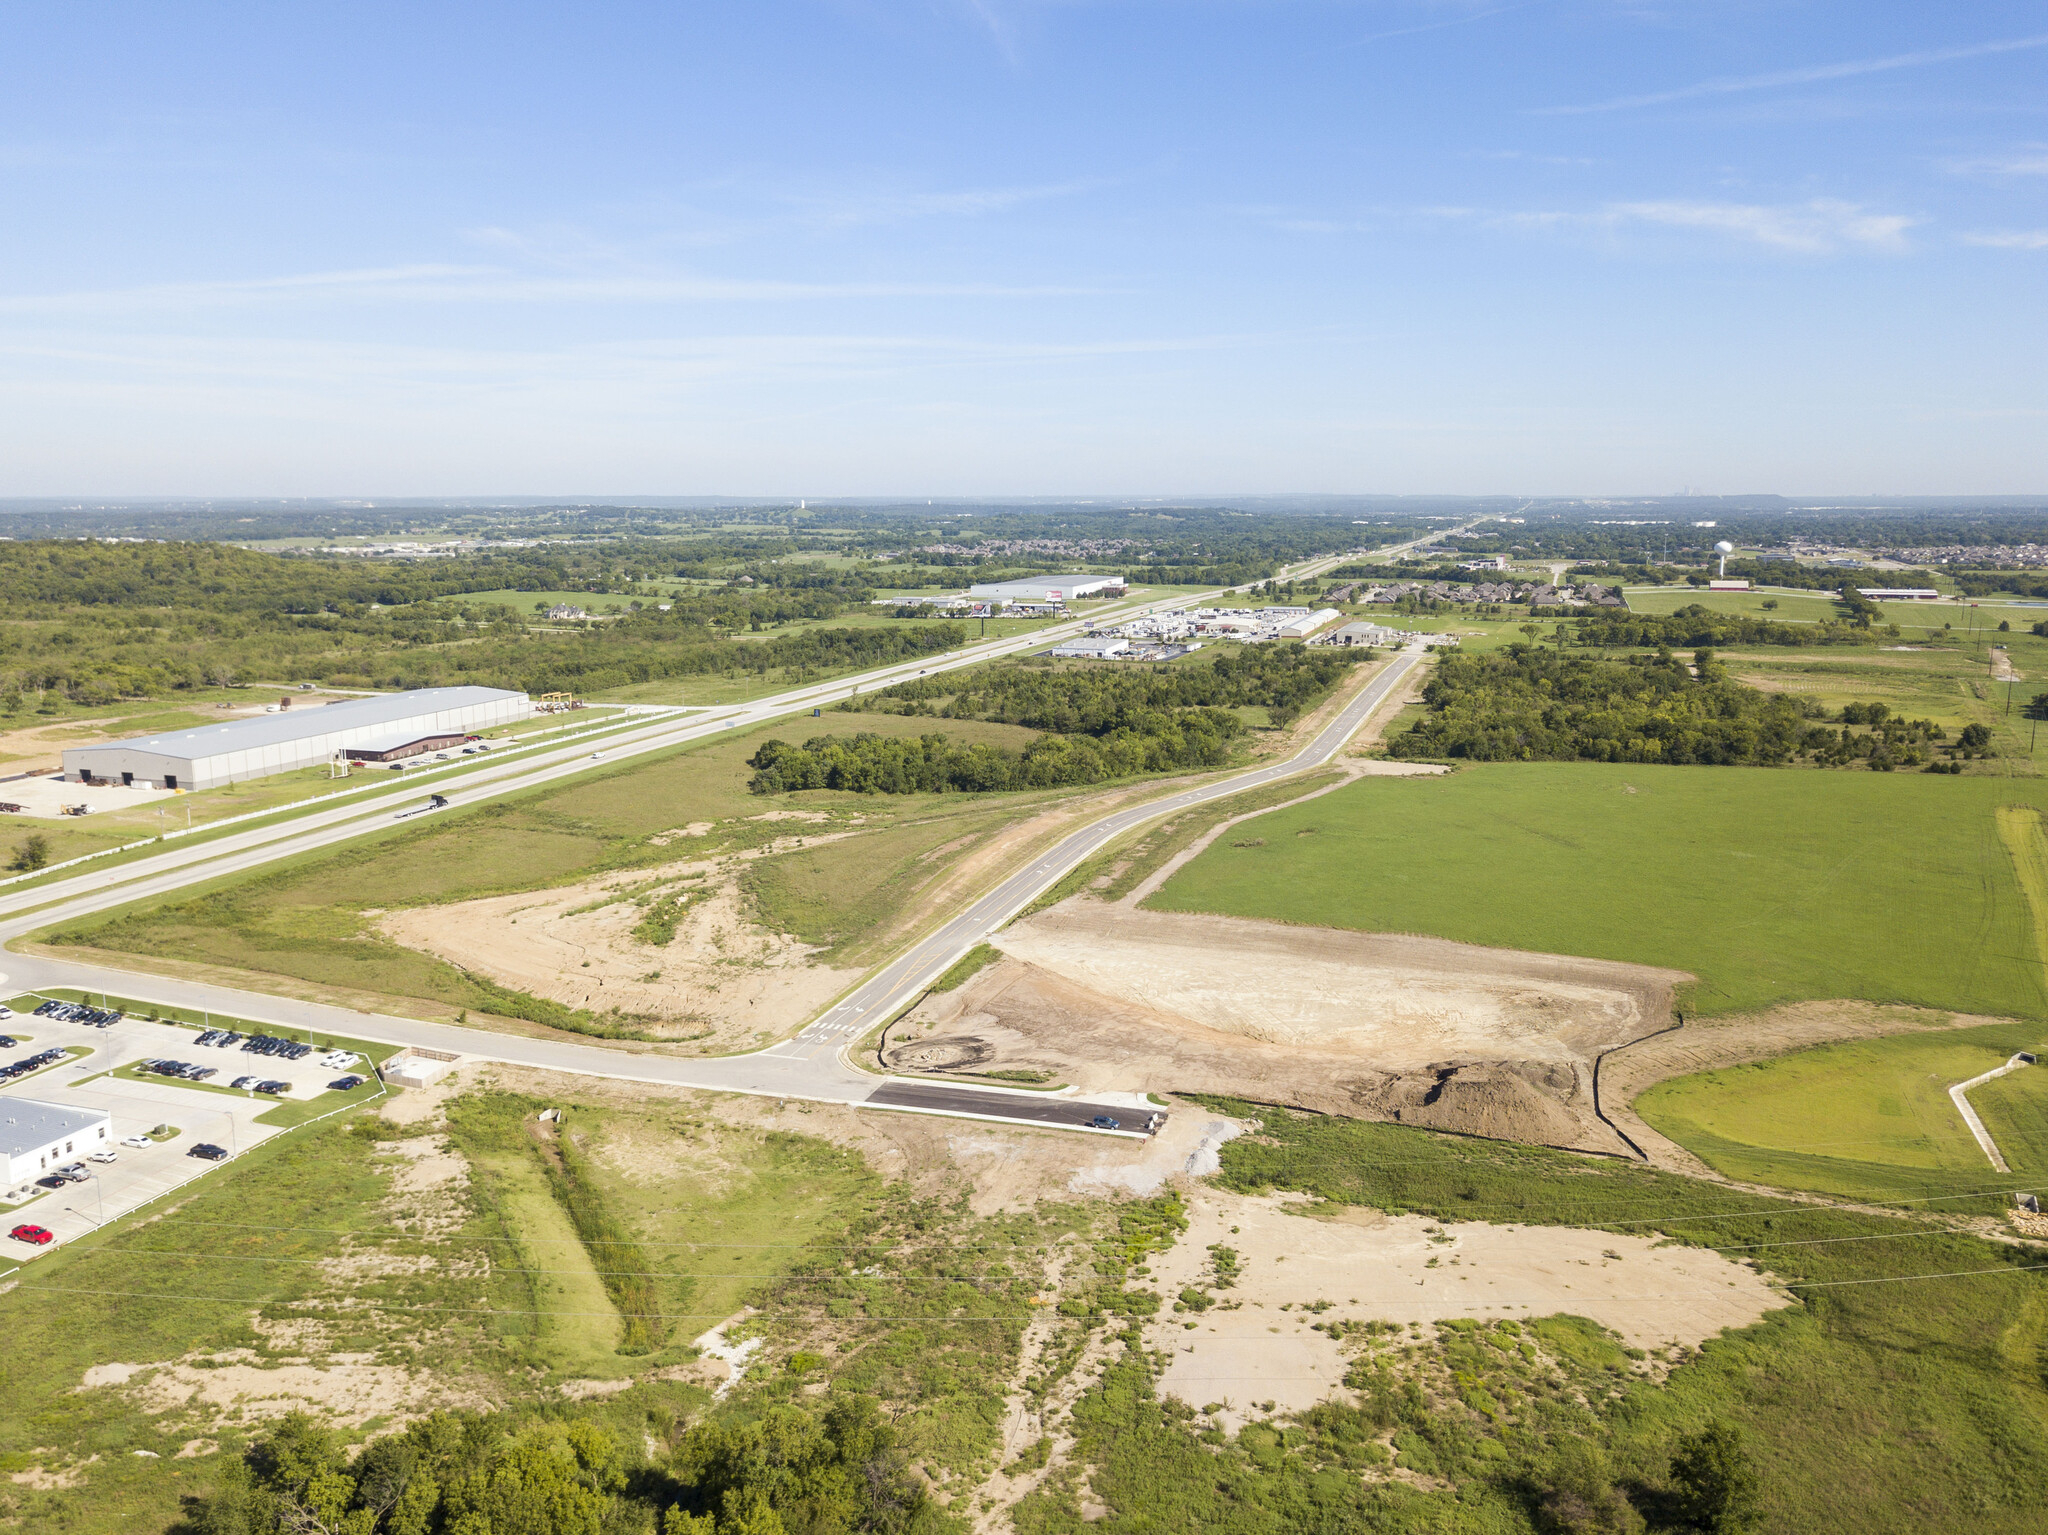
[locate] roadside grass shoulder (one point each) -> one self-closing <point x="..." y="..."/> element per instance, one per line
<point x="1769" y="885"/>
<point x="1870" y="1119"/>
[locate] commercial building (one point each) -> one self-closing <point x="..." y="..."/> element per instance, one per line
<point x="41" y="1136"/>
<point x="1093" y="647"/>
<point x="235" y="751"/>
<point x="1301" y="628"/>
<point x="1897" y="593"/>
<point x="1049" y="589"/>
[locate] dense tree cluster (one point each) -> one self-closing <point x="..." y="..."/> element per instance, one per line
<point x="935" y="763"/>
<point x="1524" y="704"/>
<point x="1695" y="625"/>
<point x="1097" y="699"/>
<point x="787" y="1472"/>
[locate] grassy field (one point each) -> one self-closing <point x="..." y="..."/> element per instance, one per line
<point x="305" y="920"/>
<point x="1769" y="885"/>
<point x="1868" y="1120"/>
<point x="489" y="1288"/>
<point x="1880" y="1400"/>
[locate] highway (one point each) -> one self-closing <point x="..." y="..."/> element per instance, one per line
<point x="811" y="1065"/>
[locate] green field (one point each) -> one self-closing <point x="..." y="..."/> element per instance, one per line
<point x="1870" y="1119"/>
<point x="1880" y="1399"/>
<point x="1770" y="885"/>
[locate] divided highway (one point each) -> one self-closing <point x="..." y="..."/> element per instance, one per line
<point x="811" y="1065"/>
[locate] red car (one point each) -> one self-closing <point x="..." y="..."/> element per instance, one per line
<point x="36" y="1234"/>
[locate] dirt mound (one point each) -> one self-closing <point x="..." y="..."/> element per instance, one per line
<point x="1439" y="1035"/>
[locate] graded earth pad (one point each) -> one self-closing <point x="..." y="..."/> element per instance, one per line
<point x="722" y="981"/>
<point x="1372" y="1267"/>
<point x="1426" y="1032"/>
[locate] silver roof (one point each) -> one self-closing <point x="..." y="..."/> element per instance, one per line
<point x="296" y="724"/>
<point x="30" y="1123"/>
<point x="1035" y="584"/>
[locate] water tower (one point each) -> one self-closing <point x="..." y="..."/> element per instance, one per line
<point x="1724" y="549"/>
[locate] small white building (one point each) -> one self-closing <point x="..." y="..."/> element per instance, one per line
<point x="1093" y="647"/>
<point x="41" y="1136"/>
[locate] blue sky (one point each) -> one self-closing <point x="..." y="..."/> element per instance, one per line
<point x="958" y="247"/>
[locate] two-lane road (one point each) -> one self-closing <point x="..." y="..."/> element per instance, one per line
<point x="812" y="1064"/>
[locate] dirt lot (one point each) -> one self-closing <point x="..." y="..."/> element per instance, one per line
<point x="724" y="982"/>
<point x="1738" y="1040"/>
<point x="1444" y="1035"/>
<point x="1374" y="1267"/>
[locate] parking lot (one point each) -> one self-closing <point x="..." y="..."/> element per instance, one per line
<point x="208" y="1113"/>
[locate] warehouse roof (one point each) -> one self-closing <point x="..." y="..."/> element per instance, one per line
<point x="1035" y="585"/>
<point x="31" y="1123"/>
<point x="297" y="724"/>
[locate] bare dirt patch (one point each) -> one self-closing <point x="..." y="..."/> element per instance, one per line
<point x="1375" y="1267"/>
<point x="720" y="983"/>
<point x="1738" y="1040"/>
<point x="348" y="1394"/>
<point x="1417" y="1030"/>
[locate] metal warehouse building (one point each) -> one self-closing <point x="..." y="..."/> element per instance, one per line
<point x="235" y="751"/>
<point x="1047" y="588"/>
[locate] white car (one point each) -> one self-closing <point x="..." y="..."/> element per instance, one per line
<point x="6" y="1012"/>
<point x="104" y="1154"/>
<point x="595" y="755"/>
<point x="137" y="1141"/>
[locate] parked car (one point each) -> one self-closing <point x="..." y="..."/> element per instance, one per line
<point x="137" y="1141"/>
<point x="37" y="1235"/>
<point x="8" y="1041"/>
<point x="104" y="1154"/>
<point x="273" y="1087"/>
<point x="77" y="1172"/>
<point x="345" y="1084"/>
<point x="211" y="1152"/>
<point x="52" y="1181"/>
<point x="242" y="1084"/>
<point x="1104" y="1122"/>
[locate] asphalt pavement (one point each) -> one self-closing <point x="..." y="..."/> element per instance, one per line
<point x="810" y="1065"/>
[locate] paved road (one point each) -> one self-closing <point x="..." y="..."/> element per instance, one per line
<point x="811" y="1065"/>
<point x="946" y="1098"/>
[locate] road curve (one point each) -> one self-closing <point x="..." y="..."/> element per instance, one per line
<point x="810" y="1065"/>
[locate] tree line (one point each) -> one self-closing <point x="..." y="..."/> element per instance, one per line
<point x="786" y="1472"/>
<point x="1097" y="698"/>
<point x="935" y="763"/>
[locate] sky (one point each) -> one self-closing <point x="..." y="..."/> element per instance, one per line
<point x="1023" y="247"/>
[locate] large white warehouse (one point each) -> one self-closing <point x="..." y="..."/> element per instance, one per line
<point x="235" y="751"/>
<point x="1046" y="588"/>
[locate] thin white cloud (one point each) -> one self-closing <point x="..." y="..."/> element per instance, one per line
<point x="1813" y="228"/>
<point x="1810" y="75"/>
<point x="456" y="284"/>
<point x="1433" y="26"/>
<point x="2010" y="239"/>
<point x="2030" y="161"/>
